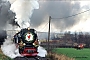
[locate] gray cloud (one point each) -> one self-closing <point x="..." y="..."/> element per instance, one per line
<point x="56" y="9"/>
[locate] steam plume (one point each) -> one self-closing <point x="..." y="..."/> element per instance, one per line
<point x="23" y="10"/>
<point x="9" y="49"/>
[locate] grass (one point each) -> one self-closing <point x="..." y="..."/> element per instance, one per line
<point x="54" y="56"/>
<point x="83" y="54"/>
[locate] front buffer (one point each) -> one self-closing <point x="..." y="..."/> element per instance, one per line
<point x="29" y="52"/>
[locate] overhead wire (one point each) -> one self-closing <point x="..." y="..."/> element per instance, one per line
<point x="73" y="15"/>
<point x="64" y="18"/>
<point x="44" y="27"/>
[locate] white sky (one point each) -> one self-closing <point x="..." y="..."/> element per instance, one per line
<point x="83" y="25"/>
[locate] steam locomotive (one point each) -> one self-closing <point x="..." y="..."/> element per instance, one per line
<point x="27" y="42"/>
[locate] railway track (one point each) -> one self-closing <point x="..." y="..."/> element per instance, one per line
<point x="31" y="58"/>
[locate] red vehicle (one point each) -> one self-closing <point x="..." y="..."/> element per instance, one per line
<point x="79" y="46"/>
<point x="26" y="40"/>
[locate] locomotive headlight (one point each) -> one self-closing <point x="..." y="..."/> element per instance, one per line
<point x="24" y="44"/>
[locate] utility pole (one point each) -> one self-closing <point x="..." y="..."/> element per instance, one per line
<point x="49" y="32"/>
